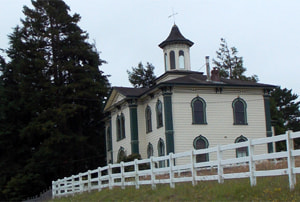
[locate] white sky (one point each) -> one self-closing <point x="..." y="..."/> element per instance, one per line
<point x="265" y="32"/>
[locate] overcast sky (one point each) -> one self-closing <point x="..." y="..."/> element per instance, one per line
<point x="265" y="32"/>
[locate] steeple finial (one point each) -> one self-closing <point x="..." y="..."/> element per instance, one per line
<point x="173" y="15"/>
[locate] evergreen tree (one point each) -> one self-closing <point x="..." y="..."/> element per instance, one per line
<point x="142" y="77"/>
<point x="285" y="114"/>
<point x="53" y="93"/>
<point x="229" y="64"/>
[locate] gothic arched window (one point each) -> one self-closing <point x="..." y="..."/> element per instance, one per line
<point x="201" y="142"/>
<point x="172" y="60"/>
<point x="239" y="107"/>
<point x="148" y="119"/>
<point x="242" y="151"/>
<point x="181" y="59"/>
<point x="159" y="114"/>
<point x="161" y="151"/>
<point x="149" y="150"/>
<point x="198" y="111"/>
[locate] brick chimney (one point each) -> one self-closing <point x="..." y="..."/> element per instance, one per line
<point x="215" y="74"/>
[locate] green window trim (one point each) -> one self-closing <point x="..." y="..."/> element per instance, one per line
<point x="148" y="118"/>
<point x="201" y="120"/>
<point x="108" y="139"/>
<point x="239" y="115"/>
<point x="206" y="145"/>
<point x="241" y="149"/>
<point x="159" y="114"/>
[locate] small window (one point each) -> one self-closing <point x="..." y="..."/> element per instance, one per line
<point x="161" y="151"/>
<point x="198" y="111"/>
<point x="201" y="142"/>
<point x="172" y="60"/>
<point x="181" y="59"/>
<point x="242" y="151"/>
<point x="148" y="119"/>
<point x="149" y="150"/>
<point x="159" y="114"/>
<point x="121" y="155"/>
<point x="239" y="112"/>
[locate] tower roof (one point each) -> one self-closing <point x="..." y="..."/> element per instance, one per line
<point x="175" y="37"/>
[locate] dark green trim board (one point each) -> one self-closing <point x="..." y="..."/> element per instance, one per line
<point x="134" y="127"/>
<point x="169" y="131"/>
<point x="268" y="121"/>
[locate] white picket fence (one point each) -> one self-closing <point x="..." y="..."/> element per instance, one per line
<point x="131" y="173"/>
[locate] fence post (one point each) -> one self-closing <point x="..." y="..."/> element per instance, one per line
<point x="99" y="179"/>
<point x="152" y="166"/>
<point x="80" y="183"/>
<point x="171" y="171"/>
<point x="136" y="170"/>
<point x="53" y="189"/>
<point x="73" y="187"/>
<point x="193" y="169"/>
<point x="290" y="159"/>
<point x="122" y="176"/>
<point x="220" y="167"/>
<point x="110" y="180"/>
<point x="252" y="167"/>
<point x="89" y="181"/>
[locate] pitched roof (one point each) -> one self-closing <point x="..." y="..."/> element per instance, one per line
<point x="130" y="92"/>
<point x="175" y="37"/>
<point x="197" y="78"/>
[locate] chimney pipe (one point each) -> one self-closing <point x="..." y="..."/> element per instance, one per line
<point x="207" y="68"/>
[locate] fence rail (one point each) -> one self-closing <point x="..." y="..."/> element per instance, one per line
<point x="146" y="172"/>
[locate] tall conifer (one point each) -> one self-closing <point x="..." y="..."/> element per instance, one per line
<point x="53" y="93"/>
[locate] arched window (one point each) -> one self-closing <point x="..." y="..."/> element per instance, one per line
<point x="166" y="62"/>
<point x="198" y="111"/>
<point x="201" y="142"/>
<point x="242" y="151"/>
<point x="121" y="154"/>
<point x="161" y="151"/>
<point x="159" y="114"/>
<point x="118" y="127"/>
<point x="148" y="119"/>
<point x="172" y="60"/>
<point x="181" y="59"/>
<point x="122" y="126"/>
<point x="149" y="150"/>
<point x="108" y="139"/>
<point x="239" y="107"/>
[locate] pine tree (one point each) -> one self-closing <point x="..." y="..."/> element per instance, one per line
<point x="285" y="114"/>
<point x="229" y="64"/>
<point x="54" y="94"/>
<point x="142" y="77"/>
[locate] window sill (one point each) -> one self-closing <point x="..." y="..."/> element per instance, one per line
<point x="148" y="131"/>
<point x="240" y="124"/>
<point x="199" y="123"/>
<point x="121" y="139"/>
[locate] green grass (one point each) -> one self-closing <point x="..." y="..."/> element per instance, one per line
<point x="267" y="189"/>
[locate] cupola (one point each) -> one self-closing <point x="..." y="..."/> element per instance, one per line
<point x="176" y="50"/>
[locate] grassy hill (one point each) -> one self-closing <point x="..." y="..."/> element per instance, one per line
<point x="267" y="189"/>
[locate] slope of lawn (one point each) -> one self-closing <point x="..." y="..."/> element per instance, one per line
<point x="267" y="189"/>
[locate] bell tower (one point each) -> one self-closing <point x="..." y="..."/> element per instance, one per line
<point x="176" y="50"/>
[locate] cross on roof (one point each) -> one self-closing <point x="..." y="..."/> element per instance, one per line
<point x="173" y="15"/>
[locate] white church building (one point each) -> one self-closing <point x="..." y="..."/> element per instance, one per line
<point x="185" y="110"/>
